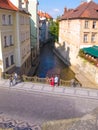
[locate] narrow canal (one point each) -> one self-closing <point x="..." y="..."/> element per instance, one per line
<point x="50" y="64"/>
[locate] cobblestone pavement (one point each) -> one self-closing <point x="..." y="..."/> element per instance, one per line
<point x="6" y="123"/>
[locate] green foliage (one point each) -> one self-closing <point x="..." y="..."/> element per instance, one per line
<point x="81" y="53"/>
<point x="54" y="29"/>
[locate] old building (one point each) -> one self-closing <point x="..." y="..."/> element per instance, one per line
<point x="15" y="53"/>
<point x="34" y="30"/>
<point x="44" y="23"/>
<point x="79" y="28"/>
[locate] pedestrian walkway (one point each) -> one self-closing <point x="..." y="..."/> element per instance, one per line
<point x="47" y="89"/>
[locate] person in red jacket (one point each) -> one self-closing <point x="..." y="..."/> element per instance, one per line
<point x="52" y="81"/>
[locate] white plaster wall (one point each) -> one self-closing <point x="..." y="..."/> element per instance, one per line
<point x="33" y="9"/>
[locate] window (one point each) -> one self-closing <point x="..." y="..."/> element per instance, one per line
<point x="7" y="62"/>
<point x="12" y="59"/>
<point x="3" y="19"/>
<point x="94" y="24"/>
<point x="93" y="38"/>
<point x="10" y="37"/>
<point x="85" y="39"/>
<point x="9" y="20"/>
<point x="86" y="24"/>
<point x="5" y="41"/>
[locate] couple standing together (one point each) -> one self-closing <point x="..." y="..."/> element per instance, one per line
<point x="54" y="81"/>
<point x="13" y="79"/>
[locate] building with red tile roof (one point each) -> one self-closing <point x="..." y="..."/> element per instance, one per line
<point x="44" y="22"/>
<point x="78" y="28"/>
<point x="44" y="15"/>
<point x="6" y="4"/>
<point x="87" y="10"/>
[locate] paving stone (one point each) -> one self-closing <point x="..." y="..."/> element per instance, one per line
<point x="81" y="92"/>
<point x="36" y="127"/>
<point x="94" y="94"/>
<point x="27" y="87"/>
<point x="38" y="87"/>
<point x="69" y="91"/>
<point x="59" y="90"/>
<point x="6" y="123"/>
<point x="48" y="89"/>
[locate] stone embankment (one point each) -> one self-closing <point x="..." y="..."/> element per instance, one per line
<point x="81" y="76"/>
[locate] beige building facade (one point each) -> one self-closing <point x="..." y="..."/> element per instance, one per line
<point x="15" y="50"/>
<point x="77" y="34"/>
<point x="78" y="28"/>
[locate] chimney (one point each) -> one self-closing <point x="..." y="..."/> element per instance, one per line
<point x="25" y="5"/>
<point x="65" y="10"/>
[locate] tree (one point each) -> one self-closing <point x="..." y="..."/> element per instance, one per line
<point x="54" y="29"/>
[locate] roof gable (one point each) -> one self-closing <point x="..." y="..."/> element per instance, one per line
<point x="85" y="10"/>
<point x="44" y="15"/>
<point x="6" y="4"/>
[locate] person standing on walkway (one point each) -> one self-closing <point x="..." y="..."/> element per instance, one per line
<point x="56" y="80"/>
<point x="52" y="81"/>
<point x="10" y="81"/>
<point x="15" y="78"/>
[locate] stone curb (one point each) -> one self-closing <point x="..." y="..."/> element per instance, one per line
<point x="47" y="89"/>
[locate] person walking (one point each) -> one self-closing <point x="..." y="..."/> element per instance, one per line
<point x="15" y="78"/>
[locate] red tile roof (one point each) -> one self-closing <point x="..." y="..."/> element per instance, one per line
<point x="42" y="14"/>
<point x="84" y="10"/>
<point x="6" y="4"/>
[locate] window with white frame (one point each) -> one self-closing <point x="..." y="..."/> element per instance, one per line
<point x="93" y="37"/>
<point x="7" y="62"/>
<point x="94" y="24"/>
<point x="85" y="38"/>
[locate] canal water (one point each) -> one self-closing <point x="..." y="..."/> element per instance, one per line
<point x="50" y="64"/>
